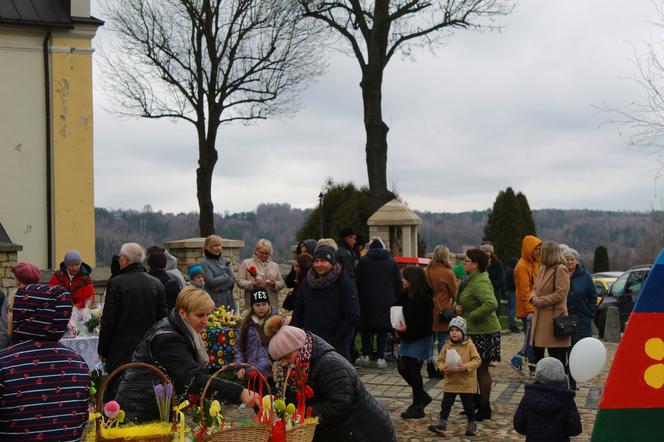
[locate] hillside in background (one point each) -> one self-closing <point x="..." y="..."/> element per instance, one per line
<point x="631" y="237"/>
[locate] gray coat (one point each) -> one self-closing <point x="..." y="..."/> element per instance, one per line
<point x="219" y="281"/>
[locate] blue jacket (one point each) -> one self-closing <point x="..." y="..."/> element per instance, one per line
<point x="256" y="351"/>
<point x="547" y="413"/>
<point x="582" y="300"/>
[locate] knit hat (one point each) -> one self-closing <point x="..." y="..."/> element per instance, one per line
<point x="550" y="371"/>
<point x="284" y="339"/>
<point x="26" y="273"/>
<point x="194" y="271"/>
<point x="73" y="257"/>
<point x="459" y="323"/>
<point x="376" y="243"/>
<point x="325" y="252"/>
<point x="41" y="312"/>
<point x="259" y="295"/>
<point x="486" y="248"/>
<point x="346" y="231"/>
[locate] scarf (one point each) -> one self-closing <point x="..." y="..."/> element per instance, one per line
<point x="201" y="350"/>
<point x="301" y="364"/>
<point x="320" y="282"/>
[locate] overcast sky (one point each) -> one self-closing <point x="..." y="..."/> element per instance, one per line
<point x="487" y="111"/>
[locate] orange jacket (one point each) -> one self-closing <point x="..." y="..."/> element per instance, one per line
<point x="524" y="275"/>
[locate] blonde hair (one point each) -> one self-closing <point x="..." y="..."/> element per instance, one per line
<point x="327" y="242"/>
<point x="441" y="254"/>
<point x="212" y="239"/>
<point x="193" y="299"/>
<point x="551" y="255"/>
<point x="264" y="243"/>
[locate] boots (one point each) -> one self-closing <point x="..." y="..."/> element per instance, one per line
<point x="423" y="399"/>
<point x="484" y="412"/>
<point x="415" y="411"/>
<point x="471" y="429"/>
<point x="439" y="428"/>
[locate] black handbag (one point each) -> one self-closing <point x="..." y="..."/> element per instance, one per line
<point x="446" y="315"/>
<point x="564" y="326"/>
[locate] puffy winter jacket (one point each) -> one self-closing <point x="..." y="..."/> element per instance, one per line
<point x="256" y="353"/>
<point x="378" y="282"/>
<point x="80" y="286"/>
<point x="547" y="413"/>
<point x="169" y="346"/>
<point x="347" y="412"/>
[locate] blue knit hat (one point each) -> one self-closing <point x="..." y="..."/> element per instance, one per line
<point x="73" y="257"/>
<point x="196" y="270"/>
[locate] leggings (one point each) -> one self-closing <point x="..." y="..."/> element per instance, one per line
<point x="410" y="370"/>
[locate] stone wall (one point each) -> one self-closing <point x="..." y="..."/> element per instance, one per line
<point x="8" y="259"/>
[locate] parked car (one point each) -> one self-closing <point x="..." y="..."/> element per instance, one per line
<point x="623" y="293"/>
<point x="603" y="282"/>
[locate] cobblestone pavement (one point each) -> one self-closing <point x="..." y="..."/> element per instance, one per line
<point x="391" y="390"/>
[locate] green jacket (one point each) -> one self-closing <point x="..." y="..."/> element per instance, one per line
<point x="475" y="295"/>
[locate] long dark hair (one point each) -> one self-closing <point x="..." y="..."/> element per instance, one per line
<point x="244" y="329"/>
<point x="305" y="261"/>
<point x="418" y="282"/>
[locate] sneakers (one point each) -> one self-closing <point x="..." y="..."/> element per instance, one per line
<point x="362" y="361"/>
<point x="471" y="429"/>
<point x="515" y="364"/>
<point x="381" y="363"/>
<point x="438" y="428"/>
<point x="413" y="412"/>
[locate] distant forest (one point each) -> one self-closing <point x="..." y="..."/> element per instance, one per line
<point x="631" y="238"/>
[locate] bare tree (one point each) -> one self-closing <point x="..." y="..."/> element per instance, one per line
<point x="375" y="31"/>
<point x="208" y="62"/>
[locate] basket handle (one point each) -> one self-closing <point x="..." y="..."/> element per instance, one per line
<point x="216" y="373"/>
<point x="158" y="372"/>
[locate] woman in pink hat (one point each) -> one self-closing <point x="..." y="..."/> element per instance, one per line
<point x="346" y="410"/>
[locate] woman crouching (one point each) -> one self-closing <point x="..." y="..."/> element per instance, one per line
<point x="346" y="411"/>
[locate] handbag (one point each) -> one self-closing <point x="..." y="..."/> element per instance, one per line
<point x="564" y="326"/>
<point x="446" y="315"/>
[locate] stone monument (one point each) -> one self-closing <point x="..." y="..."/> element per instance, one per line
<point x="396" y="225"/>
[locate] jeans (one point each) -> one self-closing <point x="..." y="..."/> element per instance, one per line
<point x="511" y="308"/>
<point x="527" y="349"/>
<point x="381" y="343"/>
<point x="442" y="337"/>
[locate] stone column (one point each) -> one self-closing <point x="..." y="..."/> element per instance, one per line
<point x="189" y="252"/>
<point x="8" y="259"/>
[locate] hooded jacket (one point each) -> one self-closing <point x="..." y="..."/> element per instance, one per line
<point x="525" y="273"/>
<point x="256" y="353"/>
<point x="378" y="282"/>
<point x="547" y="413"/>
<point x="172" y="269"/>
<point x="80" y="286"/>
<point x="43" y="384"/>
<point x="461" y="381"/>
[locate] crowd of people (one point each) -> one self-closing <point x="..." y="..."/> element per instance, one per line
<point x="338" y="289"/>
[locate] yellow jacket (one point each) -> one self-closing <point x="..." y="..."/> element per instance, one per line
<point x="461" y="381"/>
<point x="525" y="273"/>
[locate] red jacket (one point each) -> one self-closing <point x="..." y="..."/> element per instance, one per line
<point x="80" y="286"/>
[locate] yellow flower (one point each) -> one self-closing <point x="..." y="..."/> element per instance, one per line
<point x="215" y="407"/>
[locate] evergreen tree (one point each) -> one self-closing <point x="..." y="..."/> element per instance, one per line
<point x="601" y="260"/>
<point x="344" y="205"/>
<point x="509" y="221"/>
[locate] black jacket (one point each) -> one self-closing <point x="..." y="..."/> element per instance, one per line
<point x="346" y="411"/>
<point x="134" y="302"/>
<point x="547" y="413"/>
<point x="171" y="286"/>
<point x="510" y="285"/>
<point x="418" y="313"/>
<point x="347" y="258"/>
<point x="169" y="346"/>
<point x="332" y="312"/>
<point x="378" y="282"/>
<point x="497" y="277"/>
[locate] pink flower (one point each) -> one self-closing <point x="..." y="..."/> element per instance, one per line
<point x="111" y="409"/>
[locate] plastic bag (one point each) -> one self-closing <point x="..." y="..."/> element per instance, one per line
<point x="452" y="358"/>
<point x="396" y="316"/>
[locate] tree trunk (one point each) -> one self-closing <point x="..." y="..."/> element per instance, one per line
<point x="206" y="162"/>
<point x="376" y="130"/>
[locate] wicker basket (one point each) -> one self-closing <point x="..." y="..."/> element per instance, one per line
<point x="236" y="434"/>
<point x="299" y="433"/>
<point x="146" y="438"/>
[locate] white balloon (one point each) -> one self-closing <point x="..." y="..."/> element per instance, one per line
<point x="587" y="359"/>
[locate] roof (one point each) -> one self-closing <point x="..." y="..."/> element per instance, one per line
<point x="45" y="13"/>
<point x="394" y="213"/>
<point x="4" y="237"/>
